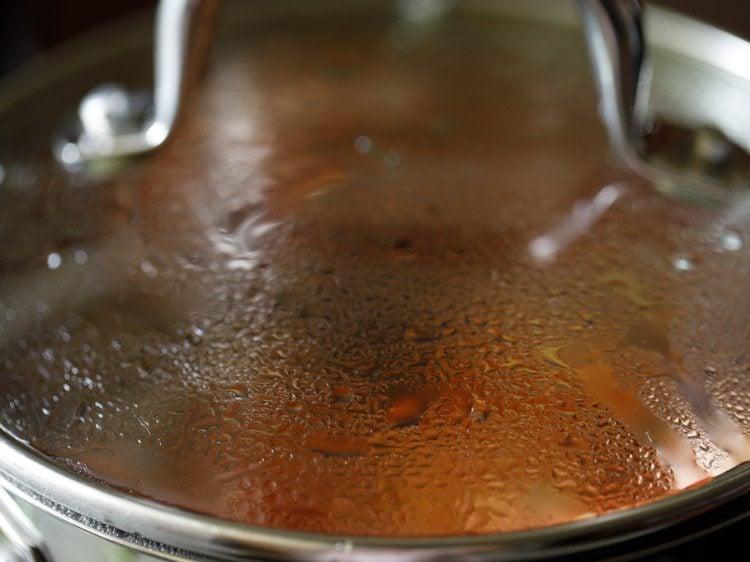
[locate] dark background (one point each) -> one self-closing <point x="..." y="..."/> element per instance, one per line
<point x="29" y="27"/>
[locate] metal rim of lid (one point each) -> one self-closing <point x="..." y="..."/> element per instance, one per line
<point x="151" y="527"/>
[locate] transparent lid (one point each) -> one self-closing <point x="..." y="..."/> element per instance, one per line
<point x="384" y="281"/>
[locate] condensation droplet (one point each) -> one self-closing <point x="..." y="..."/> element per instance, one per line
<point x="148" y="269"/>
<point x="681" y="263"/>
<point x="363" y="144"/>
<point x="80" y="257"/>
<point x="42" y="308"/>
<point x="391" y="159"/>
<point x="54" y="260"/>
<point x="731" y="241"/>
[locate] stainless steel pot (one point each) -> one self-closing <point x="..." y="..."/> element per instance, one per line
<point x="701" y="77"/>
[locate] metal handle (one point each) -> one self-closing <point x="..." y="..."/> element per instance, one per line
<point x="25" y="539"/>
<point x="617" y="48"/>
<point x="113" y="122"/>
<point x="622" y="73"/>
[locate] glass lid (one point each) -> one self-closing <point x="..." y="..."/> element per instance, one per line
<point x="384" y="281"/>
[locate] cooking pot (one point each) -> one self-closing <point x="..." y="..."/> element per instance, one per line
<point x="393" y="243"/>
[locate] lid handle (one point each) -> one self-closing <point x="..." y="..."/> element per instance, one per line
<point x="113" y="122"/>
<point x="614" y="34"/>
<point x="622" y="73"/>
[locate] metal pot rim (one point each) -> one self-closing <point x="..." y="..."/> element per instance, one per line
<point x="138" y="522"/>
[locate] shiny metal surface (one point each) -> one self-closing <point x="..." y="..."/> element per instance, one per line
<point x="145" y="527"/>
<point x="25" y="539"/>
<point x="618" y="53"/>
<point x="125" y="520"/>
<point x="113" y="122"/>
<point x="622" y="72"/>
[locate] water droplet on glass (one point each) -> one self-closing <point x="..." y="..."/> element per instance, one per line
<point x="148" y="269"/>
<point x="70" y="154"/>
<point x="245" y="262"/>
<point x="406" y="408"/>
<point x="391" y="159"/>
<point x="730" y="241"/>
<point x="363" y="144"/>
<point x="196" y="334"/>
<point x="80" y="257"/>
<point x="54" y="260"/>
<point x="682" y="263"/>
